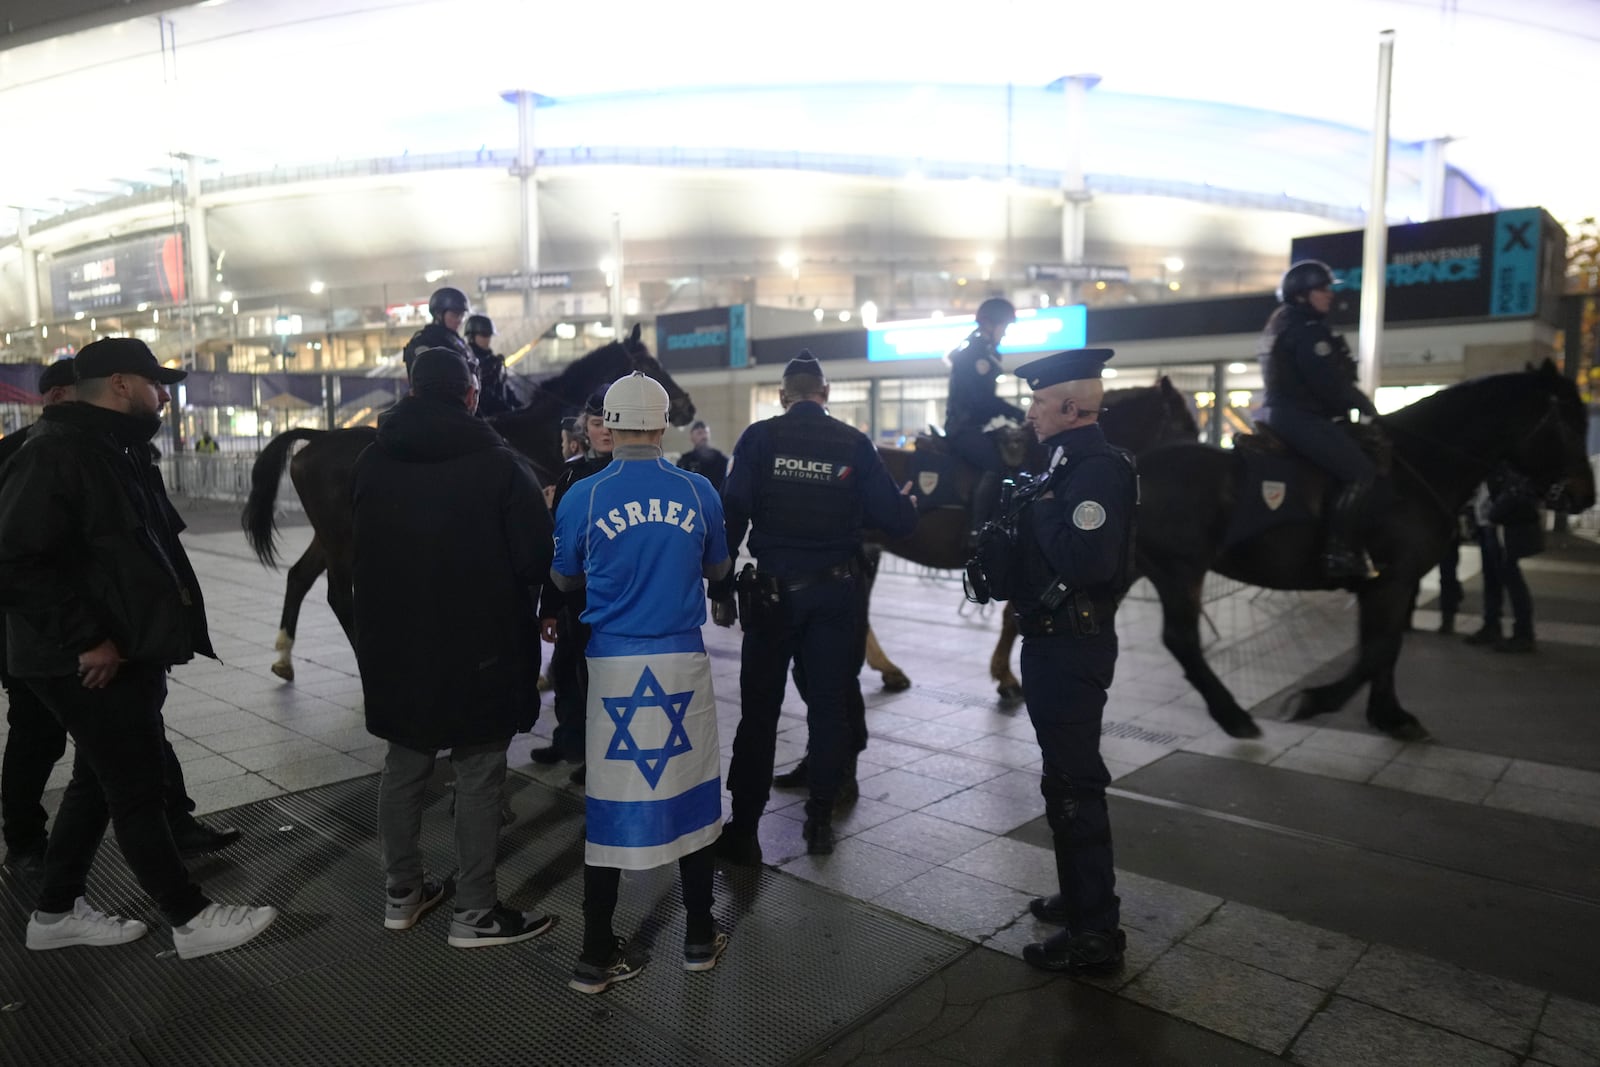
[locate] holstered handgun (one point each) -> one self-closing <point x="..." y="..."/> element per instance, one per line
<point x="744" y="592"/>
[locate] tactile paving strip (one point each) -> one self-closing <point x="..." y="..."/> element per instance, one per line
<point x="327" y="984"/>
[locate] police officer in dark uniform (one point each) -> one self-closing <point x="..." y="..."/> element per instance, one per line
<point x="971" y="404"/>
<point x="558" y="611"/>
<point x="805" y="485"/>
<point x="1310" y="383"/>
<point x="702" y="459"/>
<point x="495" y="395"/>
<point x="447" y="307"/>
<point x="1074" y="543"/>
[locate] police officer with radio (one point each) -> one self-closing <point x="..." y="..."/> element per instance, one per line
<point x="1310" y="381"/>
<point x="447" y="307"/>
<point x="1071" y="547"/>
<point x="971" y="403"/>
<point x="805" y="485"/>
<point x="495" y="395"/>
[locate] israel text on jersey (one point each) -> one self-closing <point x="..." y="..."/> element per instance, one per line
<point x="633" y="513"/>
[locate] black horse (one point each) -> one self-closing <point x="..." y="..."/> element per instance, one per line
<point x="1136" y="419"/>
<point x="322" y="471"/>
<point x="1443" y="446"/>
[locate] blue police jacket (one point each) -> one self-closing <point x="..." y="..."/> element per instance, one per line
<point x="1081" y="529"/>
<point x="1307" y="367"/>
<point x="641" y="534"/>
<point x="806" y="485"/>
<point x="971" y="400"/>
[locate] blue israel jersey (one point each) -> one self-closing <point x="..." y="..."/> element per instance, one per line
<point x="643" y="532"/>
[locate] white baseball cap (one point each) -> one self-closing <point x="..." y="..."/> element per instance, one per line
<point x="636" y="403"/>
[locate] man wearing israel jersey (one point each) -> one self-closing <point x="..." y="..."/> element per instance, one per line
<point x="639" y="536"/>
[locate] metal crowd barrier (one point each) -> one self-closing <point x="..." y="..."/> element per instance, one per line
<point x="219" y="476"/>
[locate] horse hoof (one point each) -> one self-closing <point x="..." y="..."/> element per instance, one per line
<point x="896" y="683"/>
<point x="284" y="671"/>
<point x="1243" y="728"/>
<point x="1010" y="695"/>
<point x="1408" y="731"/>
<point x="1302" y="706"/>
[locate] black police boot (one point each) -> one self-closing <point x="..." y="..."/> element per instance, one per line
<point x="739" y="845"/>
<point x="1487" y="634"/>
<point x="1343" y="556"/>
<point x="985" y="497"/>
<point x="796" y="777"/>
<point x="1447" y="622"/>
<point x="819" y="837"/>
<point x="26" y="861"/>
<point x="1088" y="952"/>
<point x="1051" y="909"/>
<point x="195" y="838"/>
<point x="547" y="755"/>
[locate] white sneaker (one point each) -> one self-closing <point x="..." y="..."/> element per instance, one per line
<point x="220" y="927"/>
<point x="83" y="925"/>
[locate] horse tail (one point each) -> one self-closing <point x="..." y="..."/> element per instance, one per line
<point x="259" y="522"/>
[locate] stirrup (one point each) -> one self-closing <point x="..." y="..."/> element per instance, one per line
<point x="1348" y="564"/>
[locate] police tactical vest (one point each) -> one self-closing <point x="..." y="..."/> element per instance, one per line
<point x="810" y="490"/>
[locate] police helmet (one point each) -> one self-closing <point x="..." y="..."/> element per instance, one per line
<point x="997" y="310"/>
<point x="1304" y="277"/>
<point x="479" y="326"/>
<point x="596" y="404"/>
<point x="447" y="299"/>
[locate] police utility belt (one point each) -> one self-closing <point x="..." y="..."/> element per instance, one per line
<point x="760" y="594"/>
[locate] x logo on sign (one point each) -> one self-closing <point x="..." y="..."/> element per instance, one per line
<point x="1517" y="236"/>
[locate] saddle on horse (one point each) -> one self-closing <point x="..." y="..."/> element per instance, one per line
<point x="1280" y="487"/>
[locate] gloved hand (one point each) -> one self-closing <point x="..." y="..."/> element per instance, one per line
<point x="724" y="612"/>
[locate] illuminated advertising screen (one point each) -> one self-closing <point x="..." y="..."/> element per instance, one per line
<point x="1475" y="266"/>
<point x="712" y="337"/>
<point x="1036" y="330"/>
<point x="118" y="276"/>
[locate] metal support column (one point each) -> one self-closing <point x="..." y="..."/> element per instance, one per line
<point x="1075" y="195"/>
<point x="616" y="277"/>
<point x="30" y="265"/>
<point x="528" y="195"/>
<point x="1375" y="250"/>
<point x="199" y="241"/>
<point x="1219" y="402"/>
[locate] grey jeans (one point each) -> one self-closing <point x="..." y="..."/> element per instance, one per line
<point x="480" y="777"/>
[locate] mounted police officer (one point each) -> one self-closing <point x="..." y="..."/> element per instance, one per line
<point x="447" y="307"/>
<point x="1311" y="387"/>
<point x="495" y="395"/>
<point x="559" y="610"/>
<point x="805" y="485"/>
<point x="1073" y="549"/>
<point x="971" y="404"/>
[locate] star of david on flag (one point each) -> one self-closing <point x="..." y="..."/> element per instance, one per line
<point x="648" y="692"/>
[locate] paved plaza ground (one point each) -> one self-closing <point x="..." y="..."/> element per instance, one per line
<point x="1324" y="895"/>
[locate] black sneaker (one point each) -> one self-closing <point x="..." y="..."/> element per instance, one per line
<point x="819" y="838"/>
<point x="26" y="861"/>
<point x="195" y="838"/>
<point x="1516" y="644"/>
<point x="1050" y="910"/>
<point x="703" y="955"/>
<point x="499" y="925"/>
<point x="624" y="963"/>
<point x="1089" y="952"/>
<point x="739" y="846"/>
<point x="796" y="777"/>
<point x="546" y="755"/>
<point x="1487" y="635"/>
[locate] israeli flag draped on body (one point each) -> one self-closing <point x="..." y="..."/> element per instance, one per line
<point x="644" y="533"/>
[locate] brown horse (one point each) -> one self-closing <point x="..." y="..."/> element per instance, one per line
<point x="322" y="472"/>
<point x="1135" y="419"/>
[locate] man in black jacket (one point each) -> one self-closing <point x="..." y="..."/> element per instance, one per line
<point x="37" y="741"/>
<point x="444" y="503"/>
<point x="100" y="601"/>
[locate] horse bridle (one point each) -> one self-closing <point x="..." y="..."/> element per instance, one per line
<point x="1555" y="495"/>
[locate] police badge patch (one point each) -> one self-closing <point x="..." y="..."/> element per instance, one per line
<point x="1273" y="493"/>
<point x="927" y="482"/>
<point x="982" y="366"/>
<point x="1088" y="516"/>
<point x="1322" y="348"/>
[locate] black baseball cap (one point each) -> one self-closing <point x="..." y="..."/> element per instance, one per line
<point x="55" y="375"/>
<point x="122" y="355"/>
